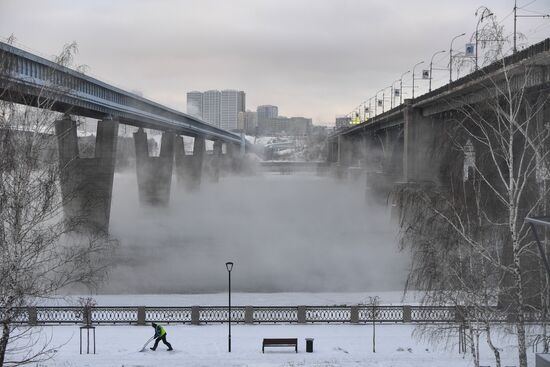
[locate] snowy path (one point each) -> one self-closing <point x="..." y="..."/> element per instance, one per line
<point x="334" y="346"/>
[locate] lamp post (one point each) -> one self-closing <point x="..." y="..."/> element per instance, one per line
<point x="229" y="266"/>
<point x="431" y="64"/>
<point x="393" y="92"/>
<point x="516" y="16"/>
<point x="414" y="67"/>
<point x="370" y="108"/>
<point x="376" y="100"/>
<point x="401" y="86"/>
<point x="451" y="57"/>
<point x="483" y="16"/>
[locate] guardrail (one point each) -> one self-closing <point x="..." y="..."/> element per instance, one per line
<point x="196" y="315"/>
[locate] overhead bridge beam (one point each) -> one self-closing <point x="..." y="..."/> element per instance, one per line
<point x="27" y="77"/>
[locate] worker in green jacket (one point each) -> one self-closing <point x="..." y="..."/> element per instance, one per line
<point x="160" y="334"/>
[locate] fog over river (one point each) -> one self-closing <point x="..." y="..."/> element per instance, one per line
<point x="285" y="234"/>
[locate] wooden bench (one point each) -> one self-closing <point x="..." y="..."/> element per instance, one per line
<point x="285" y="342"/>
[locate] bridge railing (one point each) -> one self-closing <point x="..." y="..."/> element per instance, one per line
<point x="141" y="315"/>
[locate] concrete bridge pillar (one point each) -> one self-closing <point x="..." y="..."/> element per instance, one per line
<point x="233" y="156"/>
<point x="216" y="161"/>
<point x="344" y="156"/>
<point x="189" y="167"/>
<point x="181" y="161"/>
<point x="197" y="162"/>
<point x="154" y="174"/>
<point x="87" y="183"/>
<point x="345" y="151"/>
<point x="418" y="160"/>
<point x="332" y="155"/>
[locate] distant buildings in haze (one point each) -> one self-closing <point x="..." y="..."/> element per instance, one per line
<point x="218" y="108"/>
<point x="267" y="112"/>
<point x="226" y="109"/>
<point x="294" y="126"/>
<point x="248" y="121"/>
<point x="194" y="103"/>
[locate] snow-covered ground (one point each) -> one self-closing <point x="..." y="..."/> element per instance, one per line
<point x="334" y="345"/>
<point x="337" y="345"/>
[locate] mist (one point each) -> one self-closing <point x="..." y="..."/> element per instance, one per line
<point x="284" y="234"/>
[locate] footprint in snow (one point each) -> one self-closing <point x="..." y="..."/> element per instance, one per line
<point x="341" y="350"/>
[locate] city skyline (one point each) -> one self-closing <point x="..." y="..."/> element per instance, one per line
<point x="318" y="59"/>
<point x="220" y="108"/>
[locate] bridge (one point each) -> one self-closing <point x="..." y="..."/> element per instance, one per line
<point x="395" y="146"/>
<point x="454" y="136"/>
<point x="31" y="80"/>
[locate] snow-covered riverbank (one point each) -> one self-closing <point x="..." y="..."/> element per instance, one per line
<point x="334" y="346"/>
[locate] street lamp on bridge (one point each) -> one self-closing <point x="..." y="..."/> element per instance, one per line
<point x="451" y="57"/>
<point x="376" y="102"/>
<point x="370" y="108"/>
<point x="384" y="97"/>
<point x="392" y="101"/>
<point x="401" y="86"/>
<point x="431" y="64"/>
<point x="414" y="67"/>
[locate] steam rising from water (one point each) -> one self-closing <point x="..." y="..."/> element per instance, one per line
<point x="284" y="233"/>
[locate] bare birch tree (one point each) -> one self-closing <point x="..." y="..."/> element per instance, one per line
<point x="470" y="244"/>
<point x="40" y="254"/>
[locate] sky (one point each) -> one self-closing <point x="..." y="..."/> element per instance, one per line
<point x="312" y="58"/>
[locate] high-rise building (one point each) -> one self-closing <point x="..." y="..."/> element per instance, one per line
<point x="266" y="112"/>
<point x="220" y="109"/>
<point x="194" y="104"/>
<point x="241" y="101"/>
<point x="211" y="107"/>
<point x="229" y="109"/>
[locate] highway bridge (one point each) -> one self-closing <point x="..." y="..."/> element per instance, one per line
<point x="31" y="80"/>
<point x="31" y="76"/>
<point x="396" y="146"/>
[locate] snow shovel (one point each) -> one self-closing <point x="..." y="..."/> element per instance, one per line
<point x="146" y="344"/>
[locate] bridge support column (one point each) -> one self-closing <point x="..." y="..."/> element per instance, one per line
<point x="418" y="163"/>
<point x="182" y="162"/>
<point x="189" y="167"/>
<point x="154" y="174"/>
<point x="197" y="161"/>
<point x="332" y="155"/>
<point x="344" y="156"/>
<point x="87" y="183"/>
<point x="232" y="156"/>
<point x="345" y="151"/>
<point x="216" y="161"/>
